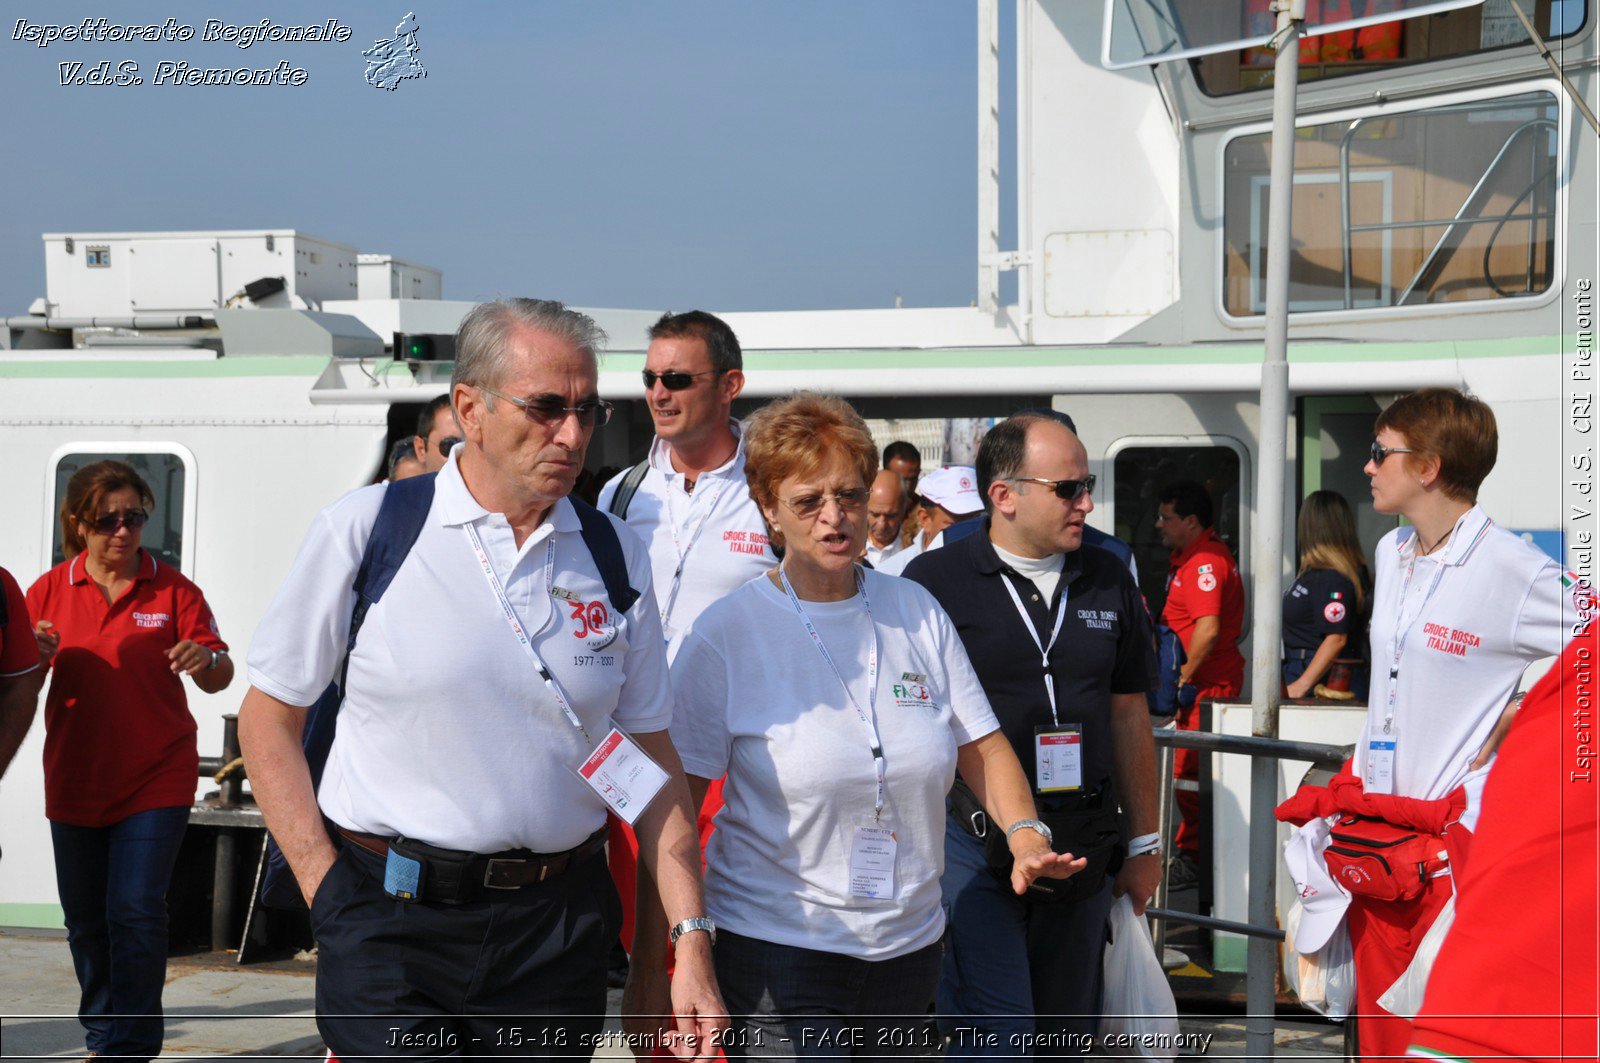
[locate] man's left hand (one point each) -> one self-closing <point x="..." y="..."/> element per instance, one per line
<point x="1138" y="879"/>
<point x="700" y="1014"/>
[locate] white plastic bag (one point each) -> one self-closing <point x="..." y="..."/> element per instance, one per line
<point x="1138" y="1000"/>
<point x="1325" y="980"/>
<point x="1404" y="998"/>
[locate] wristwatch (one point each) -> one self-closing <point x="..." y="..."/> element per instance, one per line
<point x="1037" y="825"/>
<point x="699" y="922"/>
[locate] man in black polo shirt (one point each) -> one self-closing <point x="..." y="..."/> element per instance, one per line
<point x="1024" y="591"/>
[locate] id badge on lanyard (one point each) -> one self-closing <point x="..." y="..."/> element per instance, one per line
<point x="1380" y="762"/>
<point x="1058" y="758"/>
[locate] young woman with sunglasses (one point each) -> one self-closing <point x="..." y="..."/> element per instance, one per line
<point x="119" y="630"/>
<point x="1460" y="608"/>
<point x="838" y="702"/>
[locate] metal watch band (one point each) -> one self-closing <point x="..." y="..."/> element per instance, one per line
<point x="1037" y="825"/>
<point x="699" y="922"/>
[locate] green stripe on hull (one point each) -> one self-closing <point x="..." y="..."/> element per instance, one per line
<point x="33" y="916"/>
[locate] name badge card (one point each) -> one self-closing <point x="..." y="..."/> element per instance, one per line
<point x="1058" y="758"/>
<point x="1380" y="763"/>
<point x="624" y="776"/>
<point x="872" y="853"/>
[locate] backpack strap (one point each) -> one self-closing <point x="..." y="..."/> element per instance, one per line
<point x="600" y="536"/>
<point x="401" y="515"/>
<point x="627" y="489"/>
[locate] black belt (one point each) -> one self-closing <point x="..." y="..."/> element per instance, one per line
<point x="1298" y="655"/>
<point x="451" y="876"/>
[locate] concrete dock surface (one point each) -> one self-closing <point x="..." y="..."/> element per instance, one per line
<point x="218" y="1009"/>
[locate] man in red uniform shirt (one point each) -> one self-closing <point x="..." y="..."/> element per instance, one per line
<point x="20" y="674"/>
<point x="1205" y="609"/>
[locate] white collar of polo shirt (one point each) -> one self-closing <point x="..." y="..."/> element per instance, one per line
<point x="661" y="457"/>
<point x="1466" y="534"/>
<point x="454" y="504"/>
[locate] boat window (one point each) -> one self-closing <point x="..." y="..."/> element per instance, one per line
<point x="1441" y="205"/>
<point x="1382" y="46"/>
<point x="1140" y="472"/>
<point x="164" y="472"/>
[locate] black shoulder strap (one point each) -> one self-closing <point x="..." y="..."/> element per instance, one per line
<point x="601" y="538"/>
<point x="400" y="520"/>
<point x="628" y="488"/>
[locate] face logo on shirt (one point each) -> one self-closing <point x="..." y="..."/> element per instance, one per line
<point x="912" y="695"/>
<point x="593" y="624"/>
<point x="153" y="619"/>
<point x="1333" y="612"/>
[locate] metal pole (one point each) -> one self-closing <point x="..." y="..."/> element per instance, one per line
<point x="1261" y="976"/>
<point x="227" y="856"/>
<point x="988" y="155"/>
<point x="1555" y="67"/>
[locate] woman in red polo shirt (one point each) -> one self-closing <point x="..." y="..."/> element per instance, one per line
<point x="119" y="631"/>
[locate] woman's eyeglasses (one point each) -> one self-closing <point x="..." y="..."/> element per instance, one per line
<point x="548" y="410"/>
<point x="133" y="520"/>
<point x="1379" y="452"/>
<point x="673" y="379"/>
<point x="1066" y="490"/>
<point x="807" y="507"/>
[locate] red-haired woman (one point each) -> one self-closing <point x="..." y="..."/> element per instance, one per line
<point x="1460" y="609"/>
<point x="119" y="630"/>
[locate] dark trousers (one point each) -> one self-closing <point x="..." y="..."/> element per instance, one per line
<point x="519" y="973"/>
<point x="1016" y="970"/>
<point x="113" y="886"/>
<point x="793" y="1003"/>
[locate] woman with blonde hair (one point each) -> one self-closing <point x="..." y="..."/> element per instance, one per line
<point x="1324" y="611"/>
<point x="838" y="701"/>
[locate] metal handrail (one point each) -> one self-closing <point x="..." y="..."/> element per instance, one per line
<point x="1347" y="229"/>
<point x="1168" y="739"/>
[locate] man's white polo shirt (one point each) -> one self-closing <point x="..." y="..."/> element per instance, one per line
<point x="447" y="734"/>
<point x="896" y="565"/>
<point x="702" y="545"/>
<point x="1474" y="615"/>
<point x="876" y="555"/>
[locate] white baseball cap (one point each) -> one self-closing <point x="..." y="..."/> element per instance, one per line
<point x="1322" y="899"/>
<point x="955" y="487"/>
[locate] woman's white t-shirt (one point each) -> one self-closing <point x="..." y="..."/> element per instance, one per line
<point x="757" y="702"/>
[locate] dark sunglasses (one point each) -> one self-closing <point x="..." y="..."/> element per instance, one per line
<point x="447" y="444"/>
<point x="551" y="410"/>
<point x="673" y="379"/>
<point x="133" y="520"/>
<point x="1379" y="452"/>
<point x="1067" y="490"/>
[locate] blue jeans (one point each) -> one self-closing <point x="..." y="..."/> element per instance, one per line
<point x="1019" y="975"/>
<point x="793" y="1003"/>
<point x="113" y="886"/>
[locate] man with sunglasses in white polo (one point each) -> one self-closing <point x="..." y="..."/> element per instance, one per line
<point x="452" y="855"/>
<point x="1061" y="642"/>
<point x="690" y="503"/>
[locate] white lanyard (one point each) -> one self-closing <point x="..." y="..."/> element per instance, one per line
<point x="869" y="717"/>
<point x="516" y="625"/>
<point x="681" y="551"/>
<point x="1044" y="650"/>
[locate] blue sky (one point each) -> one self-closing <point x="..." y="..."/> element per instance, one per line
<point x="735" y="155"/>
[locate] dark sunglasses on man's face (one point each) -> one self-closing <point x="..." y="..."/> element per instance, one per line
<point x="1067" y="490"/>
<point x="672" y="379"/>
<point x="1379" y="452"/>
<point x="133" y="520"/>
<point x="447" y="444"/>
